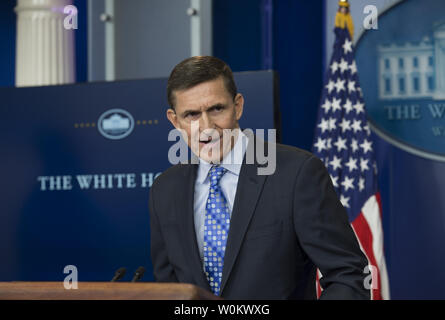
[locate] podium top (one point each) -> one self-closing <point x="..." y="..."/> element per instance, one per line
<point x="103" y="291"/>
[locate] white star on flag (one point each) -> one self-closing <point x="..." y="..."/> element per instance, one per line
<point x="328" y="143"/>
<point x="340" y="85"/>
<point x="343" y="65"/>
<point x="354" y="145"/>
<point x="332" y="125"/>
<point x="345" y="125"/>
<point x="321" y="144"/>
<point x="340" y="144"/>
<point x="361" y="184"/>
<point x="353" y="67"/>
<point x="334" y="67"/>
<point x="366" y="145"/>
<point x="352" y="164"/>
<point x="335" y="163"/>
<point x="351" y="86"/>
<point x="330" y="86"/>
<point x="324" y="125"/>
<point x="327" y="105"/>
<point x="348" y="106"/>
<point x="348" y="183"/>
<point x="368" y="131"/>
<point x="359" y="107"/>
<point x="334" y="181"/>
<point x="364" y="164"/>
<point x="356" y="126"/>
<point x="347" y="46"/>
<point x="344" y="201"/>
<point x="336" y="105"/>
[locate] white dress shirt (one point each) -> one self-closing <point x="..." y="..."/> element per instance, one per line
<point x="228" y="185"/>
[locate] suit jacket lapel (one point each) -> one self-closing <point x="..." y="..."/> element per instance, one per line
<point x="249" y="188"/>
<point x="185" y="213"/>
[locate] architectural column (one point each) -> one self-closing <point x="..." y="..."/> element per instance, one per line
<point x="45" y="49"/>
<point x="439" y="40"/>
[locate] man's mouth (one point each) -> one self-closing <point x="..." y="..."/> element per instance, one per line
<point x="208" y="141"/>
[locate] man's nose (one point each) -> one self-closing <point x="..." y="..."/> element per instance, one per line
<point x="205" y="122"/>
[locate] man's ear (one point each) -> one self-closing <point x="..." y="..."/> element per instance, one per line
<point x="172" y="117"/>
<point x="239" y="105"/>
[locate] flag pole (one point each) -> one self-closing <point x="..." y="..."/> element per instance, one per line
<point x="343" y="17"/>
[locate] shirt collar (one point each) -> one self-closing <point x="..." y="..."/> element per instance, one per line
<point x="232" y="161"/>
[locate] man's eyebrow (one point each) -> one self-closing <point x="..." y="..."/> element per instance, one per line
<point x="216" y="105"/>
<point x="186" y="112"/>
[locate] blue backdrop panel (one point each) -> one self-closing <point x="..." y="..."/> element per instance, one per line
<point x="71" y="196"/>
<point x="412" y="182"/>
<point x="413" y="212"/>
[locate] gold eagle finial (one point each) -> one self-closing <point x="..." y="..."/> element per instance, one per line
<point x="343" y="18"/>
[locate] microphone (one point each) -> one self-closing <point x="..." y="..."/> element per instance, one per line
<point x="138" y="274"/>
<point x="119" y="274"/>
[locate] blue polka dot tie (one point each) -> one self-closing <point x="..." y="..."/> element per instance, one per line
<point x="216" y="229"/>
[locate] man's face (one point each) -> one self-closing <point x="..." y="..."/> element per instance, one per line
<point x="203" y="112"/>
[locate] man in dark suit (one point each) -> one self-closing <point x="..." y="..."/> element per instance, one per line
<point x="221" y="225"/>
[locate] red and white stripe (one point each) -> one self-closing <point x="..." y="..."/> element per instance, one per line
<point x="368" y="229"/>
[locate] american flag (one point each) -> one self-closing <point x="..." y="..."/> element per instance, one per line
<point x="343" y="141"/>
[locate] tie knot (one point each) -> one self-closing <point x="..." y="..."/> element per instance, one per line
<point x="216" y="173"/>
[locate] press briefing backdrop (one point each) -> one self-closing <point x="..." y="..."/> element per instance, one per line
<point x="401" y="71"/>
<point x="76" y="166"/>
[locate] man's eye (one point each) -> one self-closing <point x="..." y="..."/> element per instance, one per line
<point x="218" y="108"/>
<point x="192" y="115"/>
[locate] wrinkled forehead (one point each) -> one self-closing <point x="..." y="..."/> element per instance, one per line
<point x="202" y="96"/>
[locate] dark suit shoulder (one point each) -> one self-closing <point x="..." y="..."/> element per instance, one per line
<point x="294" y="153"/>
<point x="292" y="157"/>
<point x="172" y="176"/>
